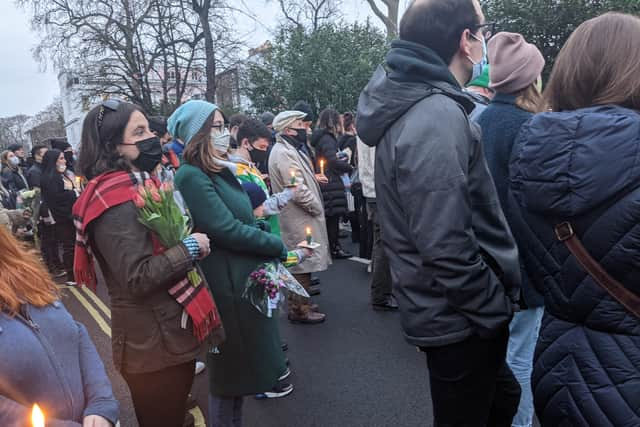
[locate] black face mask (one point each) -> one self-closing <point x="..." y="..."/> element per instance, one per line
<point x="301" y="136"/>
<point x="150" y="154"/>
<point x="258" y="156"/>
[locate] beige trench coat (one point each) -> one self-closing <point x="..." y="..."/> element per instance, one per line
<point x="304" y="210"/>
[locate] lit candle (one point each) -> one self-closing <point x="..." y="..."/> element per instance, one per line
<point x="321" y="167"/>
<point x="309" y="237"/>
<point x="293" y="177"/>
<point x="37" y="417"/>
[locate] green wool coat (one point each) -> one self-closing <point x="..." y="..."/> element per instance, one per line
<point x="251" y="359"/>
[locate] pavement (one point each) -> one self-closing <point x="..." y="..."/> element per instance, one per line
<point x="353" y="370"/>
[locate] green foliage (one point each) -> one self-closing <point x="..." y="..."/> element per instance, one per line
<point x="325" y="67"/>
<point x="549" y="23"/>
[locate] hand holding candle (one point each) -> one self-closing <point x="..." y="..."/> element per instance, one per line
<point x="37" y="417"/>
<point x="309" y="236"/>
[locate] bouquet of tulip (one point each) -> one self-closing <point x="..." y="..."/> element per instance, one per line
<point x="159" y="212"/>
<point x="266" y="286"/>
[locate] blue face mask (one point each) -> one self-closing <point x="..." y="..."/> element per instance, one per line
<point x="478" y="67"/>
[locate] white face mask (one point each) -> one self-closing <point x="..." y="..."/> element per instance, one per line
<point x="61" y="168"/>
<point x="221" y="140"/>
<point x="15" y="161"/>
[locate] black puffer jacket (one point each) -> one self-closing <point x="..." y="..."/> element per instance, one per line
<point x="581" y="166"/>
<point x="326" y="146"/>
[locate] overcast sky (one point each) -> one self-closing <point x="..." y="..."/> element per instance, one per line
<point x="25" y="88"/>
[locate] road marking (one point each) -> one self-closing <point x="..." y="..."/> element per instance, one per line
<point x="97" y="301"/>
<point x="198" y="417"/>
<point x="92" y="311"/>
<point x="360" y="260"/>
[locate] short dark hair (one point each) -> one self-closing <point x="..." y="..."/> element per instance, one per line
<point x="98" y="146"/>
<point x="15" y="147"/>
<point x="304" y="107"/>
<point x="438" y="24"/>
<point x="237" y="119"/>
<point x="253" y="130"/>
<point x="158" y="125"/>
<point x="36" y="149"/>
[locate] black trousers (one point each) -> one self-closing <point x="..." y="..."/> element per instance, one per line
<point x="333" y="224"/>
<point x="66" y="238"/>
<point x="49" y="246"/>
<point x="381" y="274"/>
<point x="471" y="383"/>
<point x="160" y="398"/>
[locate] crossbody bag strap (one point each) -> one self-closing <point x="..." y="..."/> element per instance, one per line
<point x="629" y="300"/>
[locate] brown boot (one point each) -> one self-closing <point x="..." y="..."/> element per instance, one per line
<point x="309" y="318"/>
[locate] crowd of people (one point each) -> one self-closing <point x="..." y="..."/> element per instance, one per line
<point x="500" y="217"/>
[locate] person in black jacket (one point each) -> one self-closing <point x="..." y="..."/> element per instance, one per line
<point x="324" y="140"/>
<point x="59" y="193"/>
<point x="348" y="145"/>
<point x="35" y="171"/>
<point x="454" y="262"/>
<point x="12" y="177"/>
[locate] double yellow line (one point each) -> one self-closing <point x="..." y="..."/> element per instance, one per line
<point x="80" y="296"/>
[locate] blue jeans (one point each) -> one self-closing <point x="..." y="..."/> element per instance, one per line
<point x="523" y="334"/>
<point x="225" y="411"/>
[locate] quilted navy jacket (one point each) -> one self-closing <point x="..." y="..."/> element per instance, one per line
<point x="583" y="166"/>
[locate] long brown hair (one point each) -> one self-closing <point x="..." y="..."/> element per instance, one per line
<point x="529" y="99"/>
<point x="200" y="151"/>
<point x="599" y="64"/>
<point x="23" y="280"/>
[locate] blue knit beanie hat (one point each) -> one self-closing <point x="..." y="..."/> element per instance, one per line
<point x="189" y="118"/>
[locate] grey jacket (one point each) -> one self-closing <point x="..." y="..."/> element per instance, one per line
<point x="454" y="262"/>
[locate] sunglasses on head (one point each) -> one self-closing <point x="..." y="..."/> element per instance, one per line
<point x="109" y="104"/>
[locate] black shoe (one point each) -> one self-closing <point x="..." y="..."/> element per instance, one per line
<point x="389" y="305"/>
<point x="313" y="291"/>
<point x="340" y="253"/>
<point x="315" y="281"/>
<point x="280" y="390"/>
<point x="285" y="346"/>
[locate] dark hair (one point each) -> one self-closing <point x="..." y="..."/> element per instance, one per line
<point x="304" y="107"/>
<point x="330" y="120"/>
<point x="60" y="144"/>
<point x="200" y="153"/>
<point x="98" y="146"/>
<point x="36" y="149"/>
<point x="49" y="170"/>
<point x="348" y="120"/>
<point x="438" y="24"/>
<point x="158" y="125"/>
<point x="598" y="65"/>
<point x="15" y="147"/>
<point x="237" y="119"/>
<point x="253" y="130"/>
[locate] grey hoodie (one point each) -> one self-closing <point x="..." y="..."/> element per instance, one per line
<point x="454" y="262"/>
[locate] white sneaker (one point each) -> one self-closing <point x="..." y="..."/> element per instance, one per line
<point x="200" y="366"/>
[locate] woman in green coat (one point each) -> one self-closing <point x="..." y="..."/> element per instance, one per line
<point x="251" y="360"/>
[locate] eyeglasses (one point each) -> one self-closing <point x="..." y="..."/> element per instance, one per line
<point x="109" y="104"/>
<point x="487" y="30"/>
<point x="219" y="126"/>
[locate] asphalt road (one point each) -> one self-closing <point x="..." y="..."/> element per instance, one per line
<point x="353" y="370"/>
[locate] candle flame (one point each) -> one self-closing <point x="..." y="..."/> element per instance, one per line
<point x="308" y="230"/>
<point x="293" y="174"/>
<point x="37" y="417"/>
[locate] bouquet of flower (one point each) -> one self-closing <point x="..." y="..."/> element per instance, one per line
<point x="159" y="212"/>
<point x="266" y="287"/>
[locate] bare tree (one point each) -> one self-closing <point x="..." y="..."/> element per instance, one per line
<point x="12" y="130"/>
<point x="310" y="13"/>
<point x="121" y="47"/>
<point x="390" y="18"/>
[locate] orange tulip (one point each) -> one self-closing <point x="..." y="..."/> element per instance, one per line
<point x="139" y="201"/>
